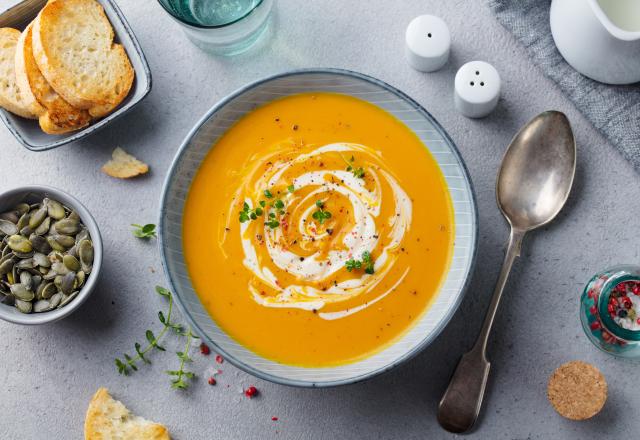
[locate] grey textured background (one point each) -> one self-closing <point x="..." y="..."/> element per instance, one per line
<point x="50" y="372"/>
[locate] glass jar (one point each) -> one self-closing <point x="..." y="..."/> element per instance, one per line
<point x="610" y="311"/>
<point x="221" y="27"/>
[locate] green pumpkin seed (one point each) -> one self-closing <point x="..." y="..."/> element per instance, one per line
<point x="41" y="306"/>
<point x="67" y="226"/>
<point x="80" y="277"/>
<point x="55" y="209"/>
<point x="22" y="208"/>
<point x="57" y="281"/>
<point x="19" y="243"/>
<point x="11" y="216"/>
<point x="7" y="265"/>
<point x="54" y="244"/>
<point x="71" y="262"/>
<point x="44" y="227"/>
<point x="40" y="244"/>
<point x="49" y="275"/>
<point x="21" y="292"/>
<point x="64" y="240"/>
<point x="26" y="280"/>
<point x="8" y="228"/>
<point x="67" y="299"/>
<point x="55" y="300"/>
<point x="59" y="268"/>
<point x="82" y="235"/>
<point x="41" y="260"/>
<point x="55" y="256"/>
<point x="26" y="263"/>
<point x="23" y="306"/>
<point x="85" y="251"/>
<point x="73" y="215"/>
<point x="23" y="254"/>
<point x="47" y="290"/>
<point x="38" y="217"/>
<point x="23" y="221"/>
<point x="68" y="283"/>
<point x="36" y="280"/>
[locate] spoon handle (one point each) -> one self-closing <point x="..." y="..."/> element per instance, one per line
<point x="461" y="402"/>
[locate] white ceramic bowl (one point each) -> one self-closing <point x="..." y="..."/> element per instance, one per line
<point x="34" y="193"/>
<point x="222" y="116"/>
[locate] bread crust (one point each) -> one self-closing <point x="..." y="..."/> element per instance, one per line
<point x="10" y="96"/>
<point x="68" y="37"/>
<point x="108" y="419"/>
<point x="56" y="116"/>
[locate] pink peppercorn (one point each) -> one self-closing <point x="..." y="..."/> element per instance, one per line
<point x="251" y="392"/>
<point x="595" y="325"/>
<point x="204" y="349"/>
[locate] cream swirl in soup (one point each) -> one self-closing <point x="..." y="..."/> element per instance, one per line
<point x="322" y="213"/>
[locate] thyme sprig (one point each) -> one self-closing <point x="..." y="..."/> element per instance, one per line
<point x="181" y="377"/>
<point x="131" y="363"/>
<point x="356" y="171"/>
<point x="366" y="262"/>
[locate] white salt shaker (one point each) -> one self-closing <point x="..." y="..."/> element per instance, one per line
<point x="477" y="89"/>
<point x="428" y="43"/>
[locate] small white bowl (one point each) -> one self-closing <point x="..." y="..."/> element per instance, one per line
<point x="33" y="193"/>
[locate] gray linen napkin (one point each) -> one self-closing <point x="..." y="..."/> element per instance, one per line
<point x="614" y="110"/>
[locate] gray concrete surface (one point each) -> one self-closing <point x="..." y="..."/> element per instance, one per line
<point x="49" y="373"/>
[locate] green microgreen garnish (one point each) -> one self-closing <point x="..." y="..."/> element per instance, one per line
<point x="268" y="194"/>
<point x="357" y="172"/>
<point x="321" y="215"/>
<point x="144" y="231"/>
<point x="130" y="363"/>
<point x="273" y="223"/>
<point x="291" y="188"/>
<point x="279" y="204"/>
<point x="367" y="262"/>
<point x="250" y="214"/>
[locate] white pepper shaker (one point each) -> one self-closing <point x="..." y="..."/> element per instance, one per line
<point x="428" y="43"/>
<point x="477" y="89"/>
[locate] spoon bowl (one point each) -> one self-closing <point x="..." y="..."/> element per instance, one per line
<point x="537" y="171"/>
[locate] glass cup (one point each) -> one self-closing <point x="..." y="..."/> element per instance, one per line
<point x="223" y="27"/>
<point x="610" y="311"/>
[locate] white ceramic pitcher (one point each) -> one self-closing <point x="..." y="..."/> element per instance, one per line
<point x="599" y="38"/>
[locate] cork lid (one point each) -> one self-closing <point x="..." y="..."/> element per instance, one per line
<point x="577" y="390"/>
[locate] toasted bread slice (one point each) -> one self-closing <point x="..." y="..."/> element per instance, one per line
<point x="10" y="96"/>
<point x="74" y="49"/>
<point x="108" y="419"/>
<point x="123" y="165"/>
<point x="55" y="114"/>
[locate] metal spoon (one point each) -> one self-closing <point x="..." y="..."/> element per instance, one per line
<point x="533" y="185"/>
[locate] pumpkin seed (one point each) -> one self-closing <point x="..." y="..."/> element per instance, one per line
<point x="64" y="240"/>
<point x="54" y="244"/>
<point x="26" y="263"/>
<point x="59" y="268"/>
<point x="67" y="226"/>
<point x="21" y="292"/>
<point x="85" y="251"/>
<point x="55" y="209"/>
<point x="8" y="300"/>
<point x="44" y="227"/>
<point x="11" y="216"/>
<point x="19" y="243"/>
<point x="68" y="283"/>
<point x="80" y="277"/>
<point x="7" y="265"/>
<point x="55" y="256"/>
<point x="41" y="305"/>
<point x="36" y="280"/>
<point x="73" y="215"/>
<point x="67" y="298"/>
<point x="23" y="254"/>
<point x="55" y="300"/>
<point x="48" y="290"/>
<point x="26" y="280"/>
<point x="23" y="306"/>
<point x="40" y="244"/>
<point x="22" y="208"/>
<point x="8" y="228"/>
<point x="41" y="260"/>
<point x="48" y="276"/>
<point x="82" y="235"/>
<point x="38" y="217"/>
<point x="71" y="262"/>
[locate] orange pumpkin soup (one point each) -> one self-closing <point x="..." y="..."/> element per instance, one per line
<point x="317" y="230"/>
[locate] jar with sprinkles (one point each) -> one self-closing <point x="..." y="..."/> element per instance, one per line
<point x="610" y="311"/>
